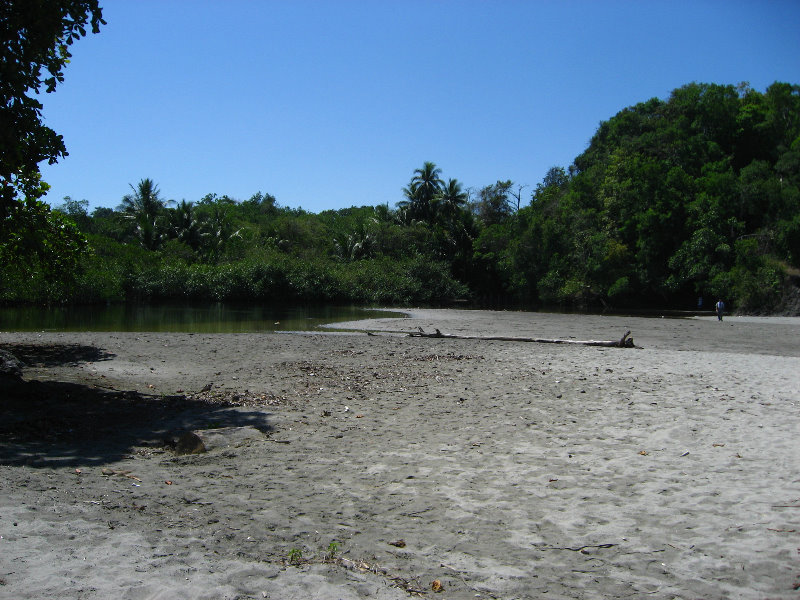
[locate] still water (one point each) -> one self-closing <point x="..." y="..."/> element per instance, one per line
<point x="209" y="318"/>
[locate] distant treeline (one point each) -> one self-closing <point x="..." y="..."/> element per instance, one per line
<point x="694" y="196"/>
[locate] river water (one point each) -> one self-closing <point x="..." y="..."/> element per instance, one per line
<point x="196" y="318"/>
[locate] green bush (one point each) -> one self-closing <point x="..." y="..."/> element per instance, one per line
<point x="620" y="288"/>
<point x="270" y="277"/>
<point x="756" y="291"/>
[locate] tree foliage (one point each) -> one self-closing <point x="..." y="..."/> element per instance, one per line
<point x="666" y="192"/>
<point x="35" y="37"/>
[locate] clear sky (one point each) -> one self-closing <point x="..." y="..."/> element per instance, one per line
<point x="333" y="103"/>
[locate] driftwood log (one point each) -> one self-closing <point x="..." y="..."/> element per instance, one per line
<point x="624" y="342"/>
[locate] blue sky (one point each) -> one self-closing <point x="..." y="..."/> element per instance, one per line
<point x="333" y="103"/>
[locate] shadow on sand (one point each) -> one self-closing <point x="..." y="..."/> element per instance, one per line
<point x="54" y="423"/>
<point x="56" y="355"/>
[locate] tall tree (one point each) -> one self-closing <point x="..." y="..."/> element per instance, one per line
<point x="493" y="204"/>
<point x="428" y="180"/>
<point x="451" y="199"/>
<point x="422" y="190"/>
<point x="35" y="40"/>
<point x="146" y="207"/>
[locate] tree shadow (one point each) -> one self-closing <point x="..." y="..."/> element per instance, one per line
<point x="53" y="423"/>
<point x="55" y="355"/>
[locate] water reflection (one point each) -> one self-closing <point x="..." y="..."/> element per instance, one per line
<point x="210" y="318"/>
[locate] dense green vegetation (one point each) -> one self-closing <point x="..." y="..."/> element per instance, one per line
<point x="695" y="195"/>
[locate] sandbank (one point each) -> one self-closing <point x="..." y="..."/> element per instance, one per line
<point x="499" y="469"/>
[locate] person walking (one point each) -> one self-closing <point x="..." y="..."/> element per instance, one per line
<point x="720" y="306"/>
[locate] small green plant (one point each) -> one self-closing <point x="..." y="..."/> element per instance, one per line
<point x="333" y="548"/>
<point x="295" y="556"/>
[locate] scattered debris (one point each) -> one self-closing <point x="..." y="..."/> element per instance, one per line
<point x="231" y="398"/>
<point x="413" y="588"/>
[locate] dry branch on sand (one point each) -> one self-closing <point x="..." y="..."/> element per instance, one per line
<point x="624" y="342"/>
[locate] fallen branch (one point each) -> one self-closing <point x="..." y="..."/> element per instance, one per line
<point x="398" y="582"/>
<point x="578" y="549"/>
<point x="624" y="342"/>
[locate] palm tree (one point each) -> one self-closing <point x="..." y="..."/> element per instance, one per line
<point x="183" y="224"/>
<point x="410" y="194"/>
<point x="451" y="199"/>
<point x="216" y="226"/>
<point x="427" y="179"/>
<point x="423" y="188"/>
<point x="145" y="206"/>
<point x="360" y="243"/>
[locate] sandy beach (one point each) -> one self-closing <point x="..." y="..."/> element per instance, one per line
<point x="387" y="466"/>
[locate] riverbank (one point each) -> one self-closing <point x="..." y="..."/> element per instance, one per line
<point x="385" y="463"/>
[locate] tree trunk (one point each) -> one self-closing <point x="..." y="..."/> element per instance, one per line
<point x="623" y="342"/>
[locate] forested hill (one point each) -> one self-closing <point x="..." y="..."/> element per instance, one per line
<point x="696" y="195"/>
